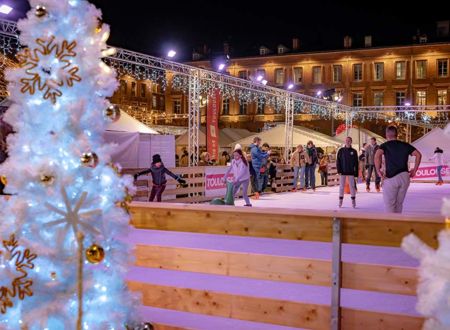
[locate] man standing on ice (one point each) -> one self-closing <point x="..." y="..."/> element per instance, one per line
<point x="397" y="175"/>
<point x="347" y="168"/>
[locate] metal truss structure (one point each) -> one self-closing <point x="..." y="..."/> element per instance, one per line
<point x="194" y="118"/>
<point x="289" y="127"/>
<point x="410" y="115"/>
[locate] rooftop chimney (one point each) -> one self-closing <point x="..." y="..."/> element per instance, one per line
<point x="442" y="29"/>
<point x="226" y="48"/>
<point x="347" y="42"/>
<point x="368" y="41"/>
<point x="295" y="44"/>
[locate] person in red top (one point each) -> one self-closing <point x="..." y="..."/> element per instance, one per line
<point x="397" y="175"/>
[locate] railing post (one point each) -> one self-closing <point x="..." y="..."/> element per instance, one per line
<point x="336" y="275"/>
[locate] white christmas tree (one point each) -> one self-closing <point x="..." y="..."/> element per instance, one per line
<point x="61" y="257"/>
<point x="433" y="291"/>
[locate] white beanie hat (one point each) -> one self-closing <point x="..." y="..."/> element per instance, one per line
<point x="237" y="147"/>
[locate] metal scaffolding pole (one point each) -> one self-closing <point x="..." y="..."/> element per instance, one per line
<point x="289" y="126"/>
<point x="194" y="117"/>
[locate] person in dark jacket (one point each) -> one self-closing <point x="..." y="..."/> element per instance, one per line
<point x="347" y="168"/>
<point x="159" y="181"/>
<point x="310" y="171"/>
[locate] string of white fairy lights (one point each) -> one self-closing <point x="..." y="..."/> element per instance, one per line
<point x="169" y="74"/>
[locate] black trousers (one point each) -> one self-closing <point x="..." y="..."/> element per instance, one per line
<point x="157" y="190"/>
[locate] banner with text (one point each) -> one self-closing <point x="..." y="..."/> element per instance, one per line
<point x="214" y="186"/>
<point x="212" y="125"/>
<point x="428" y="171"/>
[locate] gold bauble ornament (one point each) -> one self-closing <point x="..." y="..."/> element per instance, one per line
<point x="89" y="159"/>
<point x="47" y="179"/>
<point x="40" y="11"/>
<point x="4" y="180"/>
<point x="112" y="112"/>
<point x="99" y="26"/>
<point x="95" y="254"/>
<point x="115" y="168"/>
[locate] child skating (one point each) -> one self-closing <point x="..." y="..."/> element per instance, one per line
<point x="159" y="181"/>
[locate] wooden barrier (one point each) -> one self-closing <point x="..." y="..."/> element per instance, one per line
<point x="193" y="193"/>
<point x="378" y="230"/>
<point x="283" y="178"/>
<point x="333" y="176"/>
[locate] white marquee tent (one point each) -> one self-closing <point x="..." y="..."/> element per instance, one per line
<point x="136" y="143"/>
<point x="434" y="138"/>
<point x="359" y="136"/>
<point x="275" y="137"/>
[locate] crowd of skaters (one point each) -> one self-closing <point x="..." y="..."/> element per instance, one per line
<point x="383" y="168"/>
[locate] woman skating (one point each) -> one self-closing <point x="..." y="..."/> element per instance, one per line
<point x="241" y="174"/>
<point x="438" y="158"/>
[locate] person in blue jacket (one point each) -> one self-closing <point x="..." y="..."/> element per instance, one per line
<point x="258" y="158"/>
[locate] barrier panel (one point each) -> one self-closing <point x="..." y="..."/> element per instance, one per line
<point x="386" y="230"/>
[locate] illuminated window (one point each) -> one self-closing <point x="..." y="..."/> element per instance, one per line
<point x="298" y="75"/>
<point x="421" y="69"/>
<point x="242" y="74"/>
<point x="337" y="73"/>
<point x="378" y="99"/>
<point x="357" y="72"/>
<point x="357" y="99"/>
<point x="317" y="75"/>
<point x="421" y="97"/>
<point x="143" y="86"/>
<point x="400" y="98"/>
<point x="177" y="106"/>
<point x="226" y="107"/>
<point x="279" y="76"/>
<point x="261" y="72"/>
<point x="243" y="108"/>
<point x="378" y="71"/>
<point x="443" y="68"/>
<point x="260" y="106"/>
<point x="400" y="70"/>
<point x="123" y="87"/>
<point x="442" y="97"/>
<point x="133" y="89"/>
<point x="154" y="102"/>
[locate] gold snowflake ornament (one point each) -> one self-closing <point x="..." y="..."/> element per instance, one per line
<point x="48" y="68"/>
<point x="14" y="265"/>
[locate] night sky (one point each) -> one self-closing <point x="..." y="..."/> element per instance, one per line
<point x="320" y="24"/>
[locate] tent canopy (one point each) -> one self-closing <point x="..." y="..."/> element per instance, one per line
<point x="126" y="123"/>
<point x="359" y="136"/>
<point x="434" y="138"/>
<point x="226" y="137"/>
<point x="301" y="135"/>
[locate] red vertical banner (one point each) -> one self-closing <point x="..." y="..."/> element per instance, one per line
<point x="212" y="125"/>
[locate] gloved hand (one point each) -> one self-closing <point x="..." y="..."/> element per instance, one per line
<point x="182" y="182"/>
<point x="135" y="177"/>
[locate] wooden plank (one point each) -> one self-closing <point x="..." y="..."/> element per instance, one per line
<point x="379" y="278"/>
<point x="272" y="311"/>
<point x="353" y="319"/>
<point x="358" y="228"/>
<point x="227" y="220"/>
<point x="387" y="232"/>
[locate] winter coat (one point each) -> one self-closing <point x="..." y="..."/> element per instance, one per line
<point x="438" y="158"/>
<point x="159" y="174"/>
<point x="299" y="158"/>
<point x="347" y="161"/>
<point x="312" y="154"/>
<point x="239" y="169"/>
<point x="370" y="151"/>
<point x="257" y="157"/>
